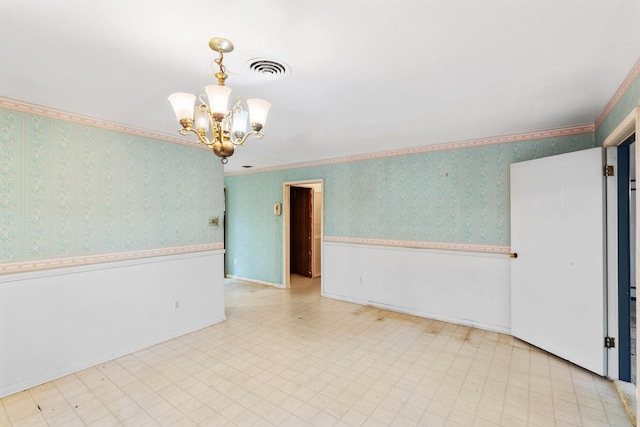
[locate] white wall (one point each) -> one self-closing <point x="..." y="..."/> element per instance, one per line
<point x="56" y="322"/>
<point x="461" y="287"/>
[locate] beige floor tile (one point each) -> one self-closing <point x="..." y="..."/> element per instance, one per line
<point x="94" y="414"/>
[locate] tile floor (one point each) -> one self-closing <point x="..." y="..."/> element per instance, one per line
<point x="292" y="358"/>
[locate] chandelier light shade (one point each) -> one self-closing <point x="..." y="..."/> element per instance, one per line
<point x="258" y="110"/>
<point x="218" y="99"/>
<point x="240" y="123"/>
<point x="183" y="105"/>
<point x="201" y="119"/>
<point x="228" y="125"/>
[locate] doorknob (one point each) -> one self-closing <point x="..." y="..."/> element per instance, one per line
<point x="513" y="255"/>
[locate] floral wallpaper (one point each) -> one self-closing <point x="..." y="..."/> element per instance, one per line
<point x="456" y="195"/>
<point x="69" y="189"/>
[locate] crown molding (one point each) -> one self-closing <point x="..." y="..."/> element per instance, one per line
<point x="633" y="74"/>
<point x="15" y="105"/>
<point x="564" y="131"/>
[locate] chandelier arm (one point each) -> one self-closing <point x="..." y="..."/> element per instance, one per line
<point x="203" y="139"/>
<point x="238" y="106"/>
<point x="235" y="141"/>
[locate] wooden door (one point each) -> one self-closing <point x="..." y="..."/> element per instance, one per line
<point x="301" y="227"/>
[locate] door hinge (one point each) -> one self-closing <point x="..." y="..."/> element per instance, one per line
<point x="609" y="342"/>
<point x="608" y="170"/>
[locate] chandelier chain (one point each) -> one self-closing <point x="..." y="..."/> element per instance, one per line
<point x="218" y="61"/>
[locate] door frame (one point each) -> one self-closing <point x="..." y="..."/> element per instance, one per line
<point x="224" y="230"/>
<point x="624" y="263"/>
<point x="627" y="127"/>
<point x="286" y="239"/>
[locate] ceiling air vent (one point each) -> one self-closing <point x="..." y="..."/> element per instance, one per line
<point x="268" y="67"/>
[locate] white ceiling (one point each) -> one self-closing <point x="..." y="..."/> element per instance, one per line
<point x="366" y="76"/>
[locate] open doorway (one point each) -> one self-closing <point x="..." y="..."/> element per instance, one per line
<point x="619" y="293"/>
<point x="633" y="258"/>
<point x="302" y="223"/>
<point x="626" y="260"/>
<point x="301" y="231"/>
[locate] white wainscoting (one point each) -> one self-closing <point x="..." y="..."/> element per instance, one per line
<point x="468" y="288"/>
<point x="59" y="321"/>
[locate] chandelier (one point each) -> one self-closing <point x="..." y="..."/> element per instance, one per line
<point x="228" y="126"/>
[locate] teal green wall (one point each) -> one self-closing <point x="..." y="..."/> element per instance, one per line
<point x="68" y="189"/>
<point x="454" y="196"/>
<point x="623" y="107"/>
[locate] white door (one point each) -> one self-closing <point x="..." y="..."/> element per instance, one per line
<point x="557" y="280"/>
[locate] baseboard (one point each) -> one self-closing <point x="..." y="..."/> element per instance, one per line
<point x="257" y="282"/>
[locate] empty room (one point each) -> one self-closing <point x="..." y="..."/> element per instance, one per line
<point x="186" y="240"/>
